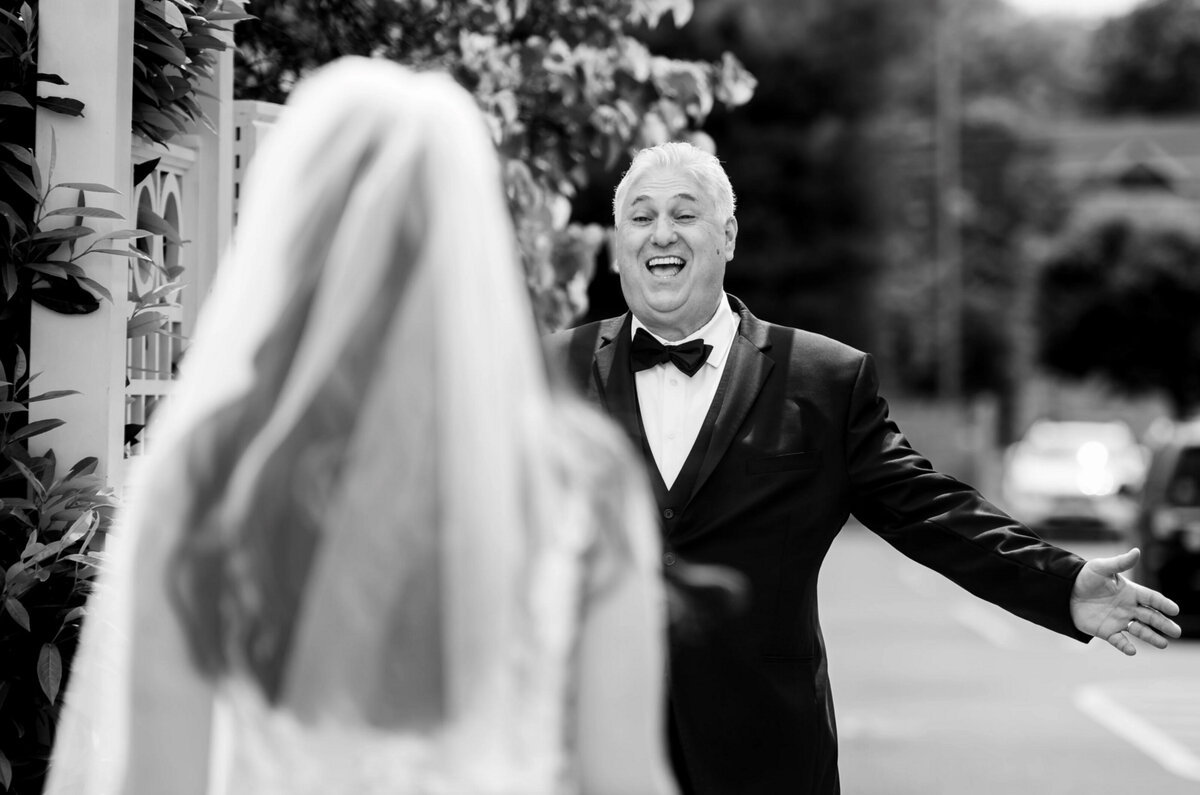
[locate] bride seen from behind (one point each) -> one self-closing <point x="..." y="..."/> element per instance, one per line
<point x="370" y="549"/>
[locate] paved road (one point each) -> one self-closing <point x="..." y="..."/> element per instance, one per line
<point x="939" y="693"/>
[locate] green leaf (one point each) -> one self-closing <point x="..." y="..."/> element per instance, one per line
<point x="86" y="212"/>
<point x="224" y="16"/>
<point x="88" y="559"/>
<point x="54" y="394"/>
<point x="62" y="235"/>
<point x="92" y="187"/>
<point x="9" y="280"/>
<point x="5" y="770"/>
<point x="66" y="297"/>
<point x="144" y="169"/>
<point x="20" y="153"/>
<point x="164" y="292"/>
<point x="12" y="572"/>
<point x="31" y="547"/>
<point x="48" y="268"/>
<point x="49" y="670"/>
<point x="31" y="478"/>
<point x="165" y="120"/>
<point x="14" y="100"/>
<point x="63" y="105"/>
<point x="21" y="367"/>
<point x="8" y="407"/>
<point x="84" y="466"/>
<point x="176" y="56"/>
<point x="126" y="234"/>
<point x="56" y="268"/>
<point x="132" y="253"/>
<point x="18" y="612"/>
<point x="10" y="42"/>
<point x="144" y="323"/>
<point x="13" y="217"/>
<point x="79" y="528"/>
<point x="21" y="180"/>
<point x="49" y="78"/>
<point x="75" y="614"/>
<point x="174" y="16"/>
<point x="147" y="219"/>
<point x="35" y="429"/>
<point x="202" y="41"/>
<point x="95" y="286"/>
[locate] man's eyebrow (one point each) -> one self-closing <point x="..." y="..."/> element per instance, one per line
<point x="645" y="197"/>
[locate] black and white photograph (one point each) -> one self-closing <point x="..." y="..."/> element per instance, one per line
<point x="599" y="397"/>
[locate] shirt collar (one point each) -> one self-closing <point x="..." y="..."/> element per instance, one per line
<point x="718" y="332"/>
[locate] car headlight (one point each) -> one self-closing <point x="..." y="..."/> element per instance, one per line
<point x="1163" y="522"/>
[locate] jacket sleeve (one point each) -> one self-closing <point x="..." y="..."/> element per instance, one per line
<point x="947" y="525"/>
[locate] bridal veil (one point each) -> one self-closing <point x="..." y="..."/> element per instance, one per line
<point x="364" y="520"/>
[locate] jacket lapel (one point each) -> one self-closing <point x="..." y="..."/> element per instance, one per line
<point x="746" y="371"/>
<point x="613" y="378"/>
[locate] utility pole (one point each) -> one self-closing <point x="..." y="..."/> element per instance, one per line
<point x="948" y="314"/>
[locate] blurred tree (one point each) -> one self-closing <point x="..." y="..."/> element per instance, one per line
<point x="1148" y="61"/>
<point x="1120" y="296"/>
<point x="832" y="161"/>
<point x="1007" y="199"/>
<point x="801" y="154"/>
<point x="562" y="83"/>
<point x="1016" y="73"/>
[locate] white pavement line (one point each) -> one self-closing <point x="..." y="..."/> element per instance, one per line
<point x="985" y="621"/>
<point x="1140" y="733"/>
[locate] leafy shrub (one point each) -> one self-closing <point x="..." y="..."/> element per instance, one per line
<point x="49" y="553"/>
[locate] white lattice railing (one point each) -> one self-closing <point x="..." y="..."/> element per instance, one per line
<point x="151" y="358"/>
<point x="171" y="193"/>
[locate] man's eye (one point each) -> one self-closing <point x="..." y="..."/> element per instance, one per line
<point x="640" y="219"/>
<point x="685" y="217"/>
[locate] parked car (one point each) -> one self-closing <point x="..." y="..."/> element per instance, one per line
<point x="1074" y="477"/>
<point x="1168" y="525"/>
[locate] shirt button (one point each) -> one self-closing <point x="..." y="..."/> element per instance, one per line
<point x="674" y="382"/>
<point x="669" y="513"/>
<point x="670" y="436"/>
<point x="668" y="559"/>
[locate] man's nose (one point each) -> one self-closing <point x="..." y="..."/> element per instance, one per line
<point x="664" y="231"/>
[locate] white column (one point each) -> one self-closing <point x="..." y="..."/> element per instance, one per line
<point x="214" y="186"/>
<point x="89" y="43"/>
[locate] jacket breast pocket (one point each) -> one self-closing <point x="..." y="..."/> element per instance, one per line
<point x="788" y="462"/>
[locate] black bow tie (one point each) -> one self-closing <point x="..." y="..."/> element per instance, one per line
<point x="688" y="357"/>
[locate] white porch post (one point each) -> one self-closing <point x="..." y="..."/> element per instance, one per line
<point x="214" y="186"/>
<point x="89" y="43"/>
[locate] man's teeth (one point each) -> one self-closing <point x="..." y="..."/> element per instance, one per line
<point x="665" y="266"/>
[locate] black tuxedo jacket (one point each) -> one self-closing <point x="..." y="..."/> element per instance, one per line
<point x="801" y="441"/>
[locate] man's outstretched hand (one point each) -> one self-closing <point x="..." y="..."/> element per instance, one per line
<point x="1108" y="606"/>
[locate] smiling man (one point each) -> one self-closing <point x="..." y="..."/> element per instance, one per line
<point x="760" y="442"/>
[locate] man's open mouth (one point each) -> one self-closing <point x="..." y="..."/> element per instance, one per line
<point x="665" y="267"/>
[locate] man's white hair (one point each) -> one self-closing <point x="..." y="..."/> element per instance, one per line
<point x="702" y="165"/>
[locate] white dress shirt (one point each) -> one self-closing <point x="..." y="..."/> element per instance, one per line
<point x="673" y="405"/>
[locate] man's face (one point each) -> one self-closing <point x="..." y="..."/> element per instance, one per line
<point x="671" y="251"/>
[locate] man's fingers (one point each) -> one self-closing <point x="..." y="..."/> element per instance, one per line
<point x="1157" y="622"/>
<point x="1121" y="642"/>
<point x="1145" y="632"/>
<point x="1157" y="601"/>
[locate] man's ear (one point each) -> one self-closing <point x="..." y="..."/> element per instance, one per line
<point x="730" y="237"/>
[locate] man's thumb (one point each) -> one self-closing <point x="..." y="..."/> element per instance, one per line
<point x="1118" y="563"/>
